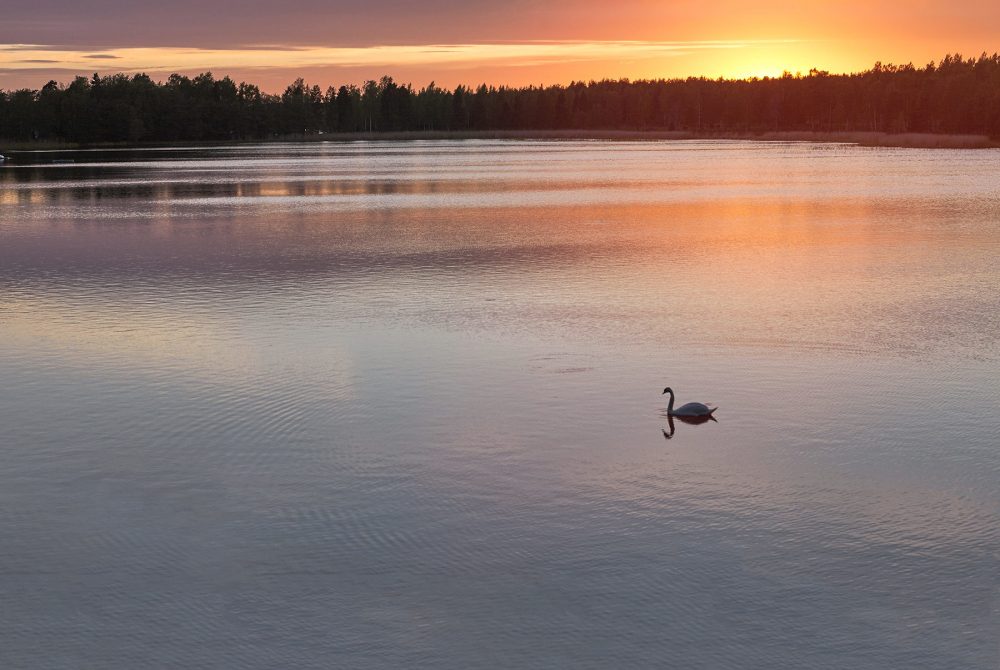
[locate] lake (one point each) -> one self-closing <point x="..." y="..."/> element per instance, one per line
<point x="398" y="405"/>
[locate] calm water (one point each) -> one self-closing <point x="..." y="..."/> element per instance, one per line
<point x="397" y="405"/>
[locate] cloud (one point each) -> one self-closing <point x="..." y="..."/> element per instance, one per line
<point x="443" y="55"/>
<point x="514" y="63"/>
<point x="97" y="25"/>
<point x="273" y="65"/>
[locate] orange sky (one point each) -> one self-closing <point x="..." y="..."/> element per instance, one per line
<point x="517" y="42"/>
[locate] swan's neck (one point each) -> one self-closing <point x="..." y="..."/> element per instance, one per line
<point x="670" y="403"/>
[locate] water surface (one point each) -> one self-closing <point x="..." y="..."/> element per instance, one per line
<point x="379" y="405"/>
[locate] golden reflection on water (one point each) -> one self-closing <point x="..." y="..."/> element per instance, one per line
<point x="810" y="272"/>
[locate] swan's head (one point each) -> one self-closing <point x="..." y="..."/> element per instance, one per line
<point x="667" y="390"/>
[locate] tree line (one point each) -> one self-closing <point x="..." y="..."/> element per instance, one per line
<point x="955" y="95"/>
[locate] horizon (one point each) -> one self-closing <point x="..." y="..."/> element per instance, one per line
<point x="162" y="77"/>
<point x="517" y="45"/>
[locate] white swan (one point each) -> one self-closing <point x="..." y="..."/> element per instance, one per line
<point x="689" y="409"/>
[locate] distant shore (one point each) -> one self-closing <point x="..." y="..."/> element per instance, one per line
<point x="867" y="139"/>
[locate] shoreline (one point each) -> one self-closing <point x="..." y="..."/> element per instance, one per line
<point x="864" y="139"/>
<point x="867" y="139"/>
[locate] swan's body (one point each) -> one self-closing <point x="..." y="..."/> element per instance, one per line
<point x="687" y="409"/>
<point x="693" y="409"/>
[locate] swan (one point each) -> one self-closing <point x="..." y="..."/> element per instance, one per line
<point x="689" y="409"/>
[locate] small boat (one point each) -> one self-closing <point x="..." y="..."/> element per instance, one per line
<point x="2" y="158"/>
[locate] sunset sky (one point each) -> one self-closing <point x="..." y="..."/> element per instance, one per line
<point x="470" y="41"/>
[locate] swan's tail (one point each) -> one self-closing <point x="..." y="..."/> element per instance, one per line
<point x="712" y="411"/>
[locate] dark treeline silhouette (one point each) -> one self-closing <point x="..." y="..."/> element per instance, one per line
<point x="956" y="95"/>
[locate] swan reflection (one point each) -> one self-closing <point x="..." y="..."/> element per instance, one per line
<point x="694" y="420"/>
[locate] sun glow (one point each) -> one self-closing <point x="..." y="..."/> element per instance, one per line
<point x="556" y="42"/>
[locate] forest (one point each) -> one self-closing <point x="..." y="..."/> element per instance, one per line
<point x="956" y="95"/>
